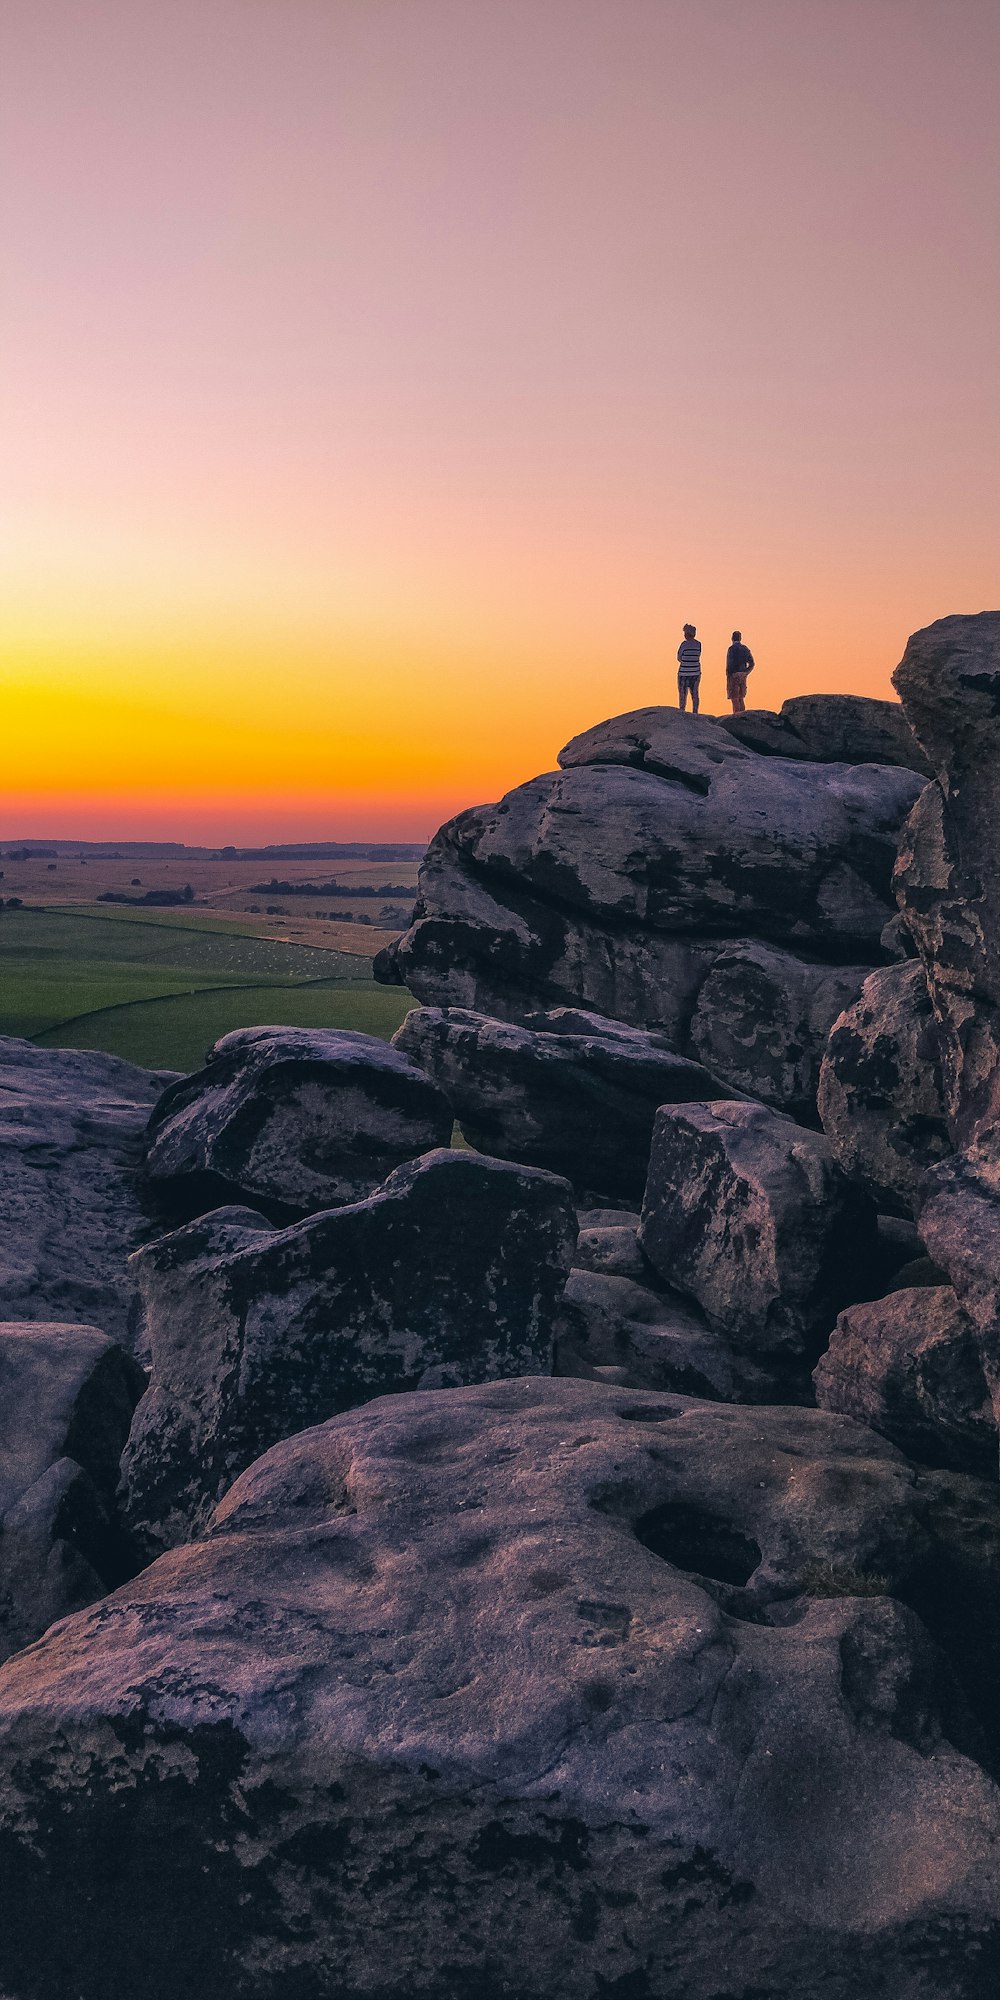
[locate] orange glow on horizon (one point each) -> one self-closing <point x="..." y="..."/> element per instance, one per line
<point x="384" y="386"/>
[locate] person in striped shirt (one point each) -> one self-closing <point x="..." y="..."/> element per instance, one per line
<point x="688" y="669"/>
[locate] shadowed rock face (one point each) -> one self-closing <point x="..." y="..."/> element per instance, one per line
<point x="762" y="1018"/>
<point x="572" y="1092"/>
<point x="880" y="1089"/>
<point x="948" y="876"/>
<point x="529" y="1689"/>
<point x="909" y="1365"/>
<point x="451" y="1273"/>
<point x="746" y="1213"/>
<point x="71" y="1125"/>
<point x="297" y="1119"/>
<point x="66" y="1400"/>
<point x="612" y="883"/>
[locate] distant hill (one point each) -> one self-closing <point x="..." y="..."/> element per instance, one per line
<point x="148" y="850"/>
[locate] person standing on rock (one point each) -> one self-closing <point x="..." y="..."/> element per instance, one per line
<point x="688" y="669"/>
<point x="739" y="663"/>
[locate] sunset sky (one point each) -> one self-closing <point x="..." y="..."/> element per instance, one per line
<point x="383" y="382"/>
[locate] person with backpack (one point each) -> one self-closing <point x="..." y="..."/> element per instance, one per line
<point x="739" y="663"/>
<point x="688" y="669"/>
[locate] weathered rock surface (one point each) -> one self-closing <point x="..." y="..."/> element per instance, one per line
<point x="451" y="1273"/>
<point x="762" y="1018"/>
<point x="832" y="729"/>
<point x="747" y="1213"/>
<point x="67" y="1394"/>
<point x="880" y="1092"/>
<point x="294" y="1119"/>
<point x="571" y="1091"/>
<point x="909" y="1365"/>
<point x="643" y="1336"/>
<point x="613" y="883"/>
<point x="534" y="1690"/>
<point x="948" y="877"/>
<point x="71" y="1124"/>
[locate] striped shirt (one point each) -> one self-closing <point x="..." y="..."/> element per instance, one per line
<point x="689" y="659"/>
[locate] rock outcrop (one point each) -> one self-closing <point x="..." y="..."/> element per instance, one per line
<point x="614" y="883"/>
<point x="747" y="1214"/>
<point x="948" y="876"/>
<point x="71" y="1125"/>
<point x="535" y="1689"/>
<point x="451" y="1273"/>
<point x="292" y="1120"/>
<point x="832" y="729"/>
<point x="909" y="1365"/>
<point x="762" y="1019"/>
<point x="67" y="1394"/>
<point x="880" y="1093"/>
<point x="572" y="1091"/>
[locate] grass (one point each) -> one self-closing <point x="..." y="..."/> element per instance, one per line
<point x="161" y="988"/>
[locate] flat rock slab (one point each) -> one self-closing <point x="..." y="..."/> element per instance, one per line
<point x="67" y="1395"/>
<point x="832" y="728"/>
<point x="71" y="1149"/>
<point x="746" y="1213"/>
<point x="572" y="1091"/>
<point x="451" y="1273"/>
<point x="296" y="1119"/>
<point x="527" y="1690"/>
<point x="909" y="1365"/>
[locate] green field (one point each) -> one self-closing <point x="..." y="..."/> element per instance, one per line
<point x="162" y="989"/>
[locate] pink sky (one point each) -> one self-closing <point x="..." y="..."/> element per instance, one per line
<point x="382" y="382"/>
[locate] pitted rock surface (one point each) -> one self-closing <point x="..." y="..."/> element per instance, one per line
<point x="296" y="1119"/>
<point x="453" y="1272"/>
<point x="67" y="1394"/>
<point x="569" y="1091"/>
<point x="71" y="1151"/>
<point x="530" y="1689"/>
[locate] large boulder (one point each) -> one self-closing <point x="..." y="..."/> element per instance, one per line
<point x="948" y="877"/>
<point x="909" y="1365"/>
<point x="832" y="729"/>
<point x="881" y="1097"/>
<point x="67" y="1394"/>
<point x="571" y="1091"/>
<point x="293" y="1120"/>
<point x="71" y="1126"/>
<point x="747" y="1213"/>
<point x="534" y="1690"/>
<point x="762" y="1018"/>
<point x="451" y="1273"/>
<point x="611" y="883"/>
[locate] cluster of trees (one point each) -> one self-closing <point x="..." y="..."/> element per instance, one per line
<point x="366" y="889"/>
<point x="161" y="898"/>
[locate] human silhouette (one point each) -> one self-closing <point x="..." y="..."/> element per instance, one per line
<point x="739" y="663"/>
<point x="688" y="669"/>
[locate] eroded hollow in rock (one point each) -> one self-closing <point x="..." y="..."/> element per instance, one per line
<point x="691" y="1538"/>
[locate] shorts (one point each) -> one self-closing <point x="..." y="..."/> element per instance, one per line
<point x="736" y="684"/>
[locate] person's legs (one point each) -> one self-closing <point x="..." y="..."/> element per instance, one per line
<point x="695" y="685"/>
<point x="682" y="691"/>
<point x="736" y="688"/>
